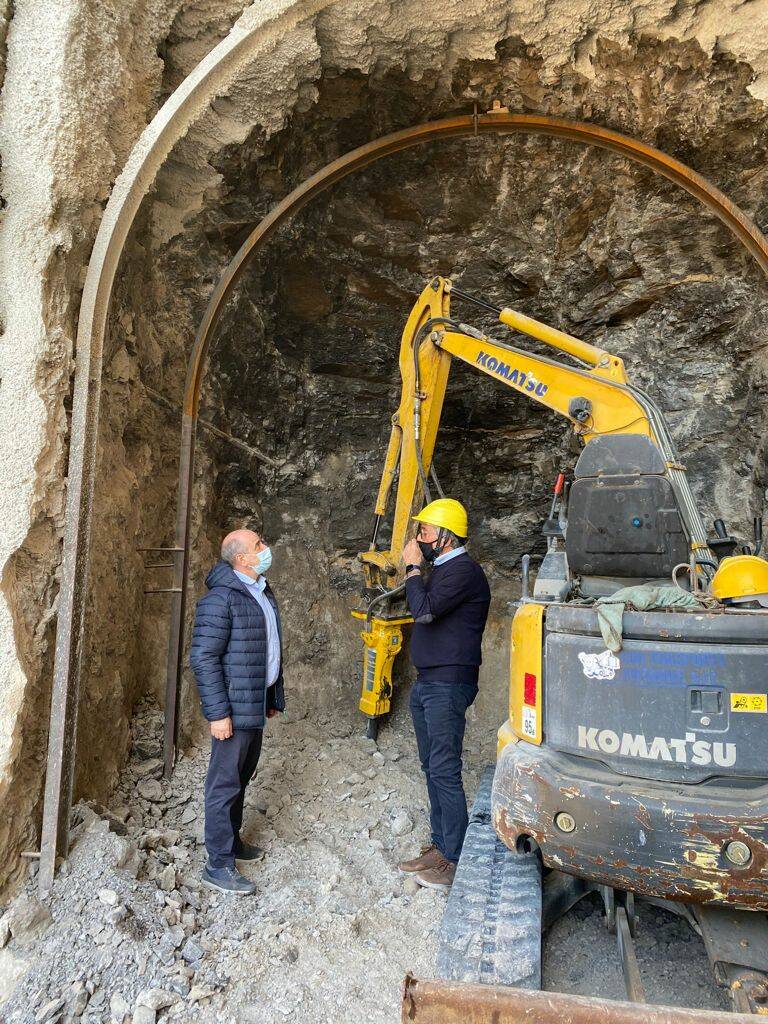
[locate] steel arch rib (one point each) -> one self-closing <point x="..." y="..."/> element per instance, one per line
<point x="260" y="27"/>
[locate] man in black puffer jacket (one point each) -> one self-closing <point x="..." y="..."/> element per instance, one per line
<point x="236" y="656"/>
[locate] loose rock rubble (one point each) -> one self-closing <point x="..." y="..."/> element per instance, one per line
<point x="129" y="936"/>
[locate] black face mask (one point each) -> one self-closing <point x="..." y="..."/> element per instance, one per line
<point x="428" y="551"/>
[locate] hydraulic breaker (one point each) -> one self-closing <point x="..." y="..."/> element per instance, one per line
<point x="383" y="639"/>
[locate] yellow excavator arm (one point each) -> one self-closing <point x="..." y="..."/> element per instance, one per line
<point x="595" y="397"/>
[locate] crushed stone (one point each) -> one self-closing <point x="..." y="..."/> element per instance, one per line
<point x="129" y="934"/>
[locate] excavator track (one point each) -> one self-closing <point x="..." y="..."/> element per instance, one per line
<point x="491" y="930"/>
<point x="488" y="962"/>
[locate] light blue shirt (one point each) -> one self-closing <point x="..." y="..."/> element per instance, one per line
<point x="256" y="589"/>
<point x="441" y="559"/>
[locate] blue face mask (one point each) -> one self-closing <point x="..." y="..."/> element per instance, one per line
<point x="265" y="561"/>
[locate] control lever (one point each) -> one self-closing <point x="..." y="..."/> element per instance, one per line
<point x="552" y="527"/>
<point x="526" y="567"/>
<point x="757" y="526"/>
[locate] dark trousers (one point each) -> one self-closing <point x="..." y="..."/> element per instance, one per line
<point x="438" y="711"/>
<point x="232" y="766"/>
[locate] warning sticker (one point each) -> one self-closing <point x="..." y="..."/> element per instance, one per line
<point x="757" y="702"/>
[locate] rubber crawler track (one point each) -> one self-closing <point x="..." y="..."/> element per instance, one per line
<point x="491" y="929"/>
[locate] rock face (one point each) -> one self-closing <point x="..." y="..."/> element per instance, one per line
<point x="304" y="367"/>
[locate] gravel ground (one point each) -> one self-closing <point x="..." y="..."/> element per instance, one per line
<point x="128" y="934"/>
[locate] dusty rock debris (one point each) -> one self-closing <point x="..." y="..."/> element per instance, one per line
<point x="128" y="931"/>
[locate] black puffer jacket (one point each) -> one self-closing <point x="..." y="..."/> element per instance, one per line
<point x="229" y="652"/>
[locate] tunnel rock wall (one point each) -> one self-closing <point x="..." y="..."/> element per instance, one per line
<point x="304" y="367"/>
<point x="82" y="80"/>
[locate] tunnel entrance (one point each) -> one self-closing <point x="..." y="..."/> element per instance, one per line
<point x="617" y="257"/>
<point x="305" y="286"/>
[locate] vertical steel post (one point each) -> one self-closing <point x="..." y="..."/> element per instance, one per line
<point x="70" y="633"/>
<point x="179" y="595"/>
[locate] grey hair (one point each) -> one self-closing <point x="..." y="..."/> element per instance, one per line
<point x="231" y="549"/>
<point x="454" y="538"/>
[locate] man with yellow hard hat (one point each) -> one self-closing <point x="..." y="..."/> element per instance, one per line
<point x="449" y="605"/>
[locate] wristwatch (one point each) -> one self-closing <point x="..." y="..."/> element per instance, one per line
<point x="410" y="568"/>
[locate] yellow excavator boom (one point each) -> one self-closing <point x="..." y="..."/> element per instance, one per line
<point x="595" y="397"/>
<point x="594" y="404"/>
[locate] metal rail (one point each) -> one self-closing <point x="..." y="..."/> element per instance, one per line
<point x="629" y="965"/>
<point x="215" y="72"/>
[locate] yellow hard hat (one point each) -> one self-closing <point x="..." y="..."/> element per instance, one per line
<point x="445" y="514"/>
<point x="740" y="576"/>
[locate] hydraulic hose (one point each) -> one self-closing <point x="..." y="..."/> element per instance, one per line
<point x="456" y="293"/>
<point x="395" y="592"/>
<point x="677" y="476"/>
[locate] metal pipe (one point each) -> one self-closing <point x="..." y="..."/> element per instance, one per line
<point x="552" y="336"/>
<point x="235" y="441"/>
<point x="374" y="538"/>
<point x="387" y="595"/>
<point x="421" y="334"/>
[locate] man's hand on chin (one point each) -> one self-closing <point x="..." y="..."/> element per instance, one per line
<point x="412" y="553"/>
<point x="222" y="729"/>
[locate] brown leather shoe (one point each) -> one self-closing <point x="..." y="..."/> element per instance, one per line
<point x="429" y="855"/>
<point x="440" y="876"/>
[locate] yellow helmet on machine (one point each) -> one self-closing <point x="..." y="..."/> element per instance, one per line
<point x="741" y="577"/>
<point x="445" y="514"/>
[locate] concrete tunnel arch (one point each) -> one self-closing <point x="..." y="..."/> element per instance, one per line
<point x="255" y="32"/>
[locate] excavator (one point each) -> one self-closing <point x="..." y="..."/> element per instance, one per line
<point x="633" y="761"/>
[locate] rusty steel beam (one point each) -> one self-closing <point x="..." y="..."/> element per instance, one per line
<point x="633" y="981"/>
<point x="496" y="122"/>
<point x="450" y="1002"/>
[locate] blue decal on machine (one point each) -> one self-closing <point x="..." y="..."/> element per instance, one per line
<point x="657" y="668"/>
<point x="525" y="381"/>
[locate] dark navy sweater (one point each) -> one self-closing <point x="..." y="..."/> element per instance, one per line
<point x="449" y="612"/>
